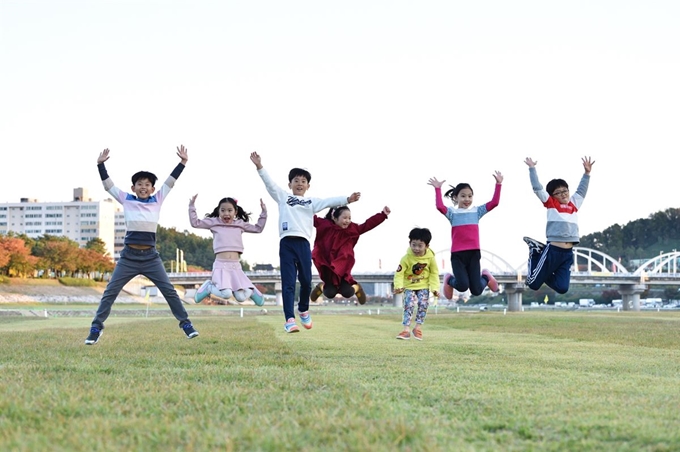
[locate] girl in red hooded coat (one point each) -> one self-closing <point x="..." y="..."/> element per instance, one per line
<point x="333" y="252"/>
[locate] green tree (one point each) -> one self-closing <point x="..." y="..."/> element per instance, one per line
<point x="98" y="245"/>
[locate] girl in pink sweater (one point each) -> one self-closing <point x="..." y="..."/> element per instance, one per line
<point x="465" y="250"/>
<point x="227" y="222"/>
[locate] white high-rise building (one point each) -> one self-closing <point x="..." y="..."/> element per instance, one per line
<point x="81" y="219"/>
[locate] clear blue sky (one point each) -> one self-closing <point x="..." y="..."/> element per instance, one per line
<point x="370" y="96"/>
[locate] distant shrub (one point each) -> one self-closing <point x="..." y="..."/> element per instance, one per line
<point x="77" y="282"/>
<point x="4" y="279"/>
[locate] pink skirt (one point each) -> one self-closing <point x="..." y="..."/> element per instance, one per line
<point x="228" y="274"/>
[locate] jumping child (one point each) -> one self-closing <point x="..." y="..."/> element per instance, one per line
<point x="139" y="256"/>
<point x="296" y="225"/>
<point x="333" y="253"/>
<point x="551" y="263"/>
<point x="227" y="222"/>
<point x="465" y="247"/>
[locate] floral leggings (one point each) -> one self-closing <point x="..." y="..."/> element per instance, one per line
<point x="411" y="297"/>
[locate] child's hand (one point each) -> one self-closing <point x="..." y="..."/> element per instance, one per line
<point x="182" y="154"/>
<point x="587" y="164"/>
<point x="193" y="199"/>
<point x="264" y="208"/>
<point x="498" y="176"/>
<point x="256" y="159"/>
<point x="387" y="210"/>
<point x="530" y="162"/>
<point x="354" y="197"/>
<point x="435" y="183"/>
<point x="103" y="156"/>
<point x="399" y="290"/>
<point x="435" y="293"/>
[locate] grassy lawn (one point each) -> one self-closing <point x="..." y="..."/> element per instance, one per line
<point x="551" y="381"/>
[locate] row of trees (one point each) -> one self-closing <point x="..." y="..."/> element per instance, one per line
<point x="198" y="251"/>
<point x="23" y="256"/>
<point x="638" y="239"/>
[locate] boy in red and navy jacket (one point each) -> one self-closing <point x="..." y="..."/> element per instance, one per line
<point x="551" y="263"/>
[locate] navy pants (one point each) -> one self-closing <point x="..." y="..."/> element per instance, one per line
<point x="295" y="256"/>
<point x="134" y="262"/>
<point x="552" y="267"/>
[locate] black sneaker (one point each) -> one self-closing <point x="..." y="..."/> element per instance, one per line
<point x="93" y="338"/>
<point x="534" y="245"/>
<point x="190" y="331"/>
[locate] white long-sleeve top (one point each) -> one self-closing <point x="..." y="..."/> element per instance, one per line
<point x="296" y="213"/>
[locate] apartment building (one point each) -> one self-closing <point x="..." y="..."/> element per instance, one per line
<point x="81" y="219"/>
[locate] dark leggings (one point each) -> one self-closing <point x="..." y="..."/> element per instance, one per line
<point x="467" y="271"/>
<point x="330" y="290"/>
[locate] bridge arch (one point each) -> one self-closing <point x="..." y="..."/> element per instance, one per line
<point x="594" y="258"/>
<point x="663" y="263"/>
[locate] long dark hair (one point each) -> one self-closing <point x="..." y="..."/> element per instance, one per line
<point x="453" y="192"/>
<point x="240" y="213"/>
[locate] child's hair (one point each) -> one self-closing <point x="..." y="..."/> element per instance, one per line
<point x="335" y="212"/>
<point x="422" y="234"/>
<point x="453" y="191"/>
<point x="144" y="175"/>
<point x="240" y="213"/>
<point x="555" y="184"/>
<point x="295" y="172"/>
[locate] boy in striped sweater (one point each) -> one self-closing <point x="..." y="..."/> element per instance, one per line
<point x="139" y="256"/>
<point x="551" y="263"/>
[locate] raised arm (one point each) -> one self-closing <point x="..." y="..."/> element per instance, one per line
<point x="206" y="223"/>
<point x="183" y="155"/>
<point x="535" y="184"/>
<point x="374" y="220"/>
<point x="582" y="189"/>
<point x="496" y="193"/>
<point x="587" y="164"/>
<point x="261" y="221"/>
<point x="103" y="156"/>
<point x="437" y="184"/>
<point x="256" y="159"/>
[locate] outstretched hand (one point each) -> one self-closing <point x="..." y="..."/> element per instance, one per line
<point x="354" y="197"/>
<point x="256" y="159"/>
<point x="103" y="156"/>
<point x="182" y="154"/>
<point x="192" y="200"/>
<point x="587" y="164"/>
<point x="386" y="210"/>
<point x="530" y="162"/>
<point x="262" y="206"/>
<point x="436" y="183"/>
<point x="498" y="176"/>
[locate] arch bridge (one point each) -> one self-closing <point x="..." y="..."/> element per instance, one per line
<point x="591" y="267"/>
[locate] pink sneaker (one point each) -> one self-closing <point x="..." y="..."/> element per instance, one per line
<point x="447" y="290"/>
<point x="491" y="281"/>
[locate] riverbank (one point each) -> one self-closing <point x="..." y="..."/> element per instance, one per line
<point x="18" y="290"/>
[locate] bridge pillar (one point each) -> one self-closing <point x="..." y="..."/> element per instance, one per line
<point x="398" y="300"/>
<point x="279" y="293"/>
<point x="514" y="292"/>
<point x="630" y="296"/>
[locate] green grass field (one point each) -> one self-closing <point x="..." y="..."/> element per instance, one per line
<point x="558" y="381"/>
